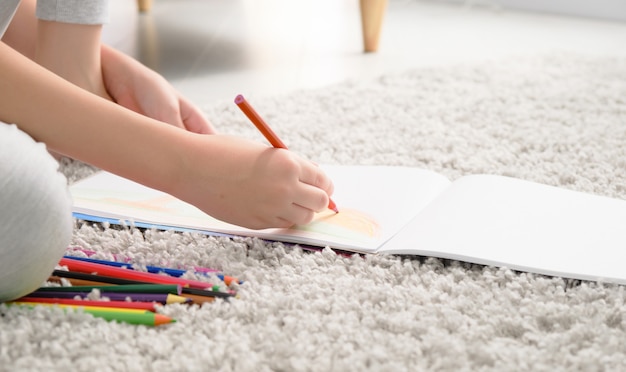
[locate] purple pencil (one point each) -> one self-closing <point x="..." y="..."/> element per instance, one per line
<point x="162" y="298"/>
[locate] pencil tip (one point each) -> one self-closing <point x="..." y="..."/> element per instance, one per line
<point x="160" y="319"/>
<point x="332" y="206"/>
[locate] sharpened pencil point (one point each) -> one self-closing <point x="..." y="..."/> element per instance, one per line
<point x="160" y="319"/>
<point x="332" y="206"/>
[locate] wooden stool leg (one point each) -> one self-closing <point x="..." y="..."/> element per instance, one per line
<point x="372" y="14"/>
<point x="144" y="5"/>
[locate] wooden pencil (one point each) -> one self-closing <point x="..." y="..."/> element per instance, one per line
<point x="139" y="317"/>
<point x="196" y="299"/>
<point x="155" y="269"/>
<point x="70" y="275"/>
<point x="128" y="288"/>
<point x="116" y="272"/>
<point x="268" y="133"/>
<point x="150" y="306"/>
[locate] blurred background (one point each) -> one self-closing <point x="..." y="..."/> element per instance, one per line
<point x="211" y="50"/>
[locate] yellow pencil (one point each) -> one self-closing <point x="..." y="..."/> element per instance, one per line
<point x="66" y="306"/>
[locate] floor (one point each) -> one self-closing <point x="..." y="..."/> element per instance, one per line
<point x="214" y="49"/>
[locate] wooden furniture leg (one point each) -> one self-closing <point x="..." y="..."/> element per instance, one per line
<point x="372" y="14"/>
<point x="144" y="5"/>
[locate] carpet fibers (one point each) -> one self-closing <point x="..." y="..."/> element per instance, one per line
<point x="556" y="119"/>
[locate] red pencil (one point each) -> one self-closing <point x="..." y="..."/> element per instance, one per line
<point x="116" y="272"/>
<point x="267" y="132"/>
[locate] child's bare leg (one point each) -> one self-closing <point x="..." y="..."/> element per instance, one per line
<point x="72" y="51"/>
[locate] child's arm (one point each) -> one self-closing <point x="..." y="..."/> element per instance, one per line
<point x="74" y="52"/>
<point x="142" y="90"/>
<point x="235" y="180"/>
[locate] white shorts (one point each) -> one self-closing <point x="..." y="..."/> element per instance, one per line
<point x="35" y="213"/>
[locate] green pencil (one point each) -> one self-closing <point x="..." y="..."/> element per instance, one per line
<point x="126" y="288"/>
<point x="116" y="315"/>
<point x="148" y="318"/>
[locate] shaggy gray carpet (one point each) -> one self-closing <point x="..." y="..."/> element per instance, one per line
<point x="557" y="119"/>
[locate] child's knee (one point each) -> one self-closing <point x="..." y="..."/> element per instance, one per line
<point x="35" y="213"/>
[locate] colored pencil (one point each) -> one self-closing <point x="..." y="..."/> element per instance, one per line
<point x="116" y="272"/>
<point x="267" y="132"/>
<point x="202" y="292"/>
<point x="197" y="295"/>
<point x="88" y="252"/>
<point x="114" y="296"/>
<point x="149" y="306"/>
<point x="101" y="280"/>
<point x="128" y="288"/>
<point x="196" y="299"/>
<point x="85" y="307"/>
<point x="148" y="318"/>
<point x="75" y="282"/>
<point x="140" y="318"/>
<point x="94" y="278"/>
<point x="151" y="269"/>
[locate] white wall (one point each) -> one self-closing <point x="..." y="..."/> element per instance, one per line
<point x="605" y="9"/>
<point x="121" y="31"/>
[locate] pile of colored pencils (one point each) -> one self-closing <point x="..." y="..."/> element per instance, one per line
<point x="116" y="291"/>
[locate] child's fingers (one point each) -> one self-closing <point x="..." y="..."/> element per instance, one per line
<point x="314" y="176"/>
<point x="193" y="119"/>
<point x="311" y="198"/>
<point x="298" y="215"/>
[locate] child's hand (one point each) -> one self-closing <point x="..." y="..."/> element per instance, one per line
<point x="136" y="87"/>
<point x="250" y="184"/>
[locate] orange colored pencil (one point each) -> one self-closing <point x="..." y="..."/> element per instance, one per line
<point x="268" y="133"/>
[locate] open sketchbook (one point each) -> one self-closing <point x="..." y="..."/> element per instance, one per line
<point x="491" y="220"/>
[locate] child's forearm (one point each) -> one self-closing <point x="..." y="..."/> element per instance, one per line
<point x="84" y="126"/>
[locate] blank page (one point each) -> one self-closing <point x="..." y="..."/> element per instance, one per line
<point x="522" y="225"/>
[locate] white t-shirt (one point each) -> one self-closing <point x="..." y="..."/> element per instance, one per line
<point x="85" y="12"/>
